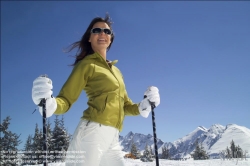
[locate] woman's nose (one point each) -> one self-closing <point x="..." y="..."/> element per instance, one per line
<point x="102" y="33"/>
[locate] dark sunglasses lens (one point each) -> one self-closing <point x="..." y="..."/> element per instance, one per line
<point x="96" y="30"/>
<point x="99" y="30"/>
<point x="107" y="31"/>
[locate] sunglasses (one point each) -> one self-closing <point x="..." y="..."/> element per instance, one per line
<point x="99" y="30"/>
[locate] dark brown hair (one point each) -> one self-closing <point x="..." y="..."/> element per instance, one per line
<point x="84" y="46"/>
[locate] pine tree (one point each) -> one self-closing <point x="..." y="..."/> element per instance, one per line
<point x="233" y="149"/>
<point x="151" y="151"/>
<point x="27" y="150"/>
<point x="67" y="136"/>
<point x="147" y="155"/>
<point x="37" y="146"/>
<point x="239" y="152"/>
<point x="60" y="140"/>
<point x="195" y="155"/>
<point x="8" y="144"/>
<point x="134" y="150"/>
<point x="228" y="153"/>
<point x="49" y="141"/>
<point x="199" y="152"/>
<point x="165" y="153"/>
<point x="49" y="136"/>
<point x="204" y="154"/>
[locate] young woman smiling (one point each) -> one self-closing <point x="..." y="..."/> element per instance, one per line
<point x="96" y="137"/>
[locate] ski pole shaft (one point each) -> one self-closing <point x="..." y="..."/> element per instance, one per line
<point x="43" y="104"/>
<point x="154" y="132"/>
<point x="44" y="133"/>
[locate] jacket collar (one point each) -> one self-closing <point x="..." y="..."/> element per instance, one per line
<point x="96" y="55"/>
<point x="112" y="62"/>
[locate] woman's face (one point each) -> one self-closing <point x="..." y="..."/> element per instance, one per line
<point x="100" y="41"/>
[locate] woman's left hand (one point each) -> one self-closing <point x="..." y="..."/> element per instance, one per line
<point x="151" y="96"/>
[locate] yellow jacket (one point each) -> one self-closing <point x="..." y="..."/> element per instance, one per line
<point x="108" y="101"/>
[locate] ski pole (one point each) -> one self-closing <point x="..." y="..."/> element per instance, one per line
<point x="154" y="131"/>
<point x="43" y="105"/>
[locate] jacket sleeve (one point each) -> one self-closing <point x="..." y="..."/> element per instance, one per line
<point x="73" y="87"/>
<point x="130" y="108"/>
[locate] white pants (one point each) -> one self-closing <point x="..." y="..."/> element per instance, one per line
<point x="94" y="145"/>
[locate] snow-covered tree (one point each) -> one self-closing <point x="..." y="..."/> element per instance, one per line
<point x="165" y="153"/>
<point x="37" y="145"/>
<point x="60" y="139"/>
<point x="28" y="150"/>
<point x="238" y="152"/>
<point x="57" y="142"/>
<point x="151" y="151"/>
<point x="233" y="149"/>
<point x="49" y="136"/>
<point x="228" y="153"/>
<point x="134" y="150"/>
<point x="49" y="141"/>
<point x="28" y="144"/>
<point x="222" y="154"/>
<point x="199" y="152"/>
<point x="147" y="154"/>
<point x="9" y="142"/>
<point x="244" y="156"/>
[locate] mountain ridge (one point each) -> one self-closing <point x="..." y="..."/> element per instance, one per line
<point x="214" y="139"/>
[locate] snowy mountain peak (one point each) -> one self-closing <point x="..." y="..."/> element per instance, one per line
<point x="191" y="136"/>
<point x="129" y="135"/>
<point x="216" y="129"/>
<point x="239" y="134"/>
<point x="214" y="139"/>
<point x="231" y="125"/>
<point x="140" y="141"/>
<point x="202" y="128"/>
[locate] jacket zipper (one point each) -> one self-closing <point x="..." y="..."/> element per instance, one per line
<point x="119" y="118"/>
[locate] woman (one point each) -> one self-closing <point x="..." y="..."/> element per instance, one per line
<point x="96" y="137"/>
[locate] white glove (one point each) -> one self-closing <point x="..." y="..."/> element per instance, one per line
<point x="42" y="89"/>
<point x="151" y="96"/>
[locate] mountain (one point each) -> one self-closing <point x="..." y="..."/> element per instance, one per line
<point x="140" y="141"/>
<point x="240" y="135"/>
<point x="214" y="139"/>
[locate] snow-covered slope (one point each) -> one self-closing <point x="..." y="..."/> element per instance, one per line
<point x="214" y="139"/>
<point x="185" y="145"/>
<point x="239" y="134"/>
<point x="214" y="162"/>
<point x="212" y="135"/>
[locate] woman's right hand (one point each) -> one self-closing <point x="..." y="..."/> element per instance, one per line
<point x="42" y="89"/>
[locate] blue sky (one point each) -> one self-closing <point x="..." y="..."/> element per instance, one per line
<point x="196" y="53"/>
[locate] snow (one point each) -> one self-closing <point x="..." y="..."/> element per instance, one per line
<point x="239" y="134"/>
<point x="213" y="162"/>
<point x="214" y="139"/>
<point x="191" y="136"/>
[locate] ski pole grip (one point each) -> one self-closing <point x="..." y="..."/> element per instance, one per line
<point x="43" y="100"/>
<point x="151" y="103"/>
<point x="44" y="75"/>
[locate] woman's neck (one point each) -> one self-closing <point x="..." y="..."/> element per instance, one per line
<point x="102" y="53"/>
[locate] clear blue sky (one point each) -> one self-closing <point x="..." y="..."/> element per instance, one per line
<point x="196" y="53"/>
